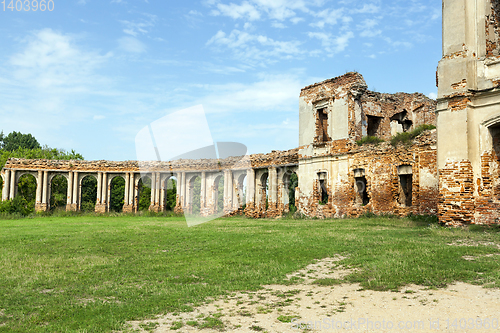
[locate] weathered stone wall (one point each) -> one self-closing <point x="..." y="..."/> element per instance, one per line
<point x="380" y="169"/>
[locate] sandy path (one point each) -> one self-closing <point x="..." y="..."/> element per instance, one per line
<point x="458" y="308"/>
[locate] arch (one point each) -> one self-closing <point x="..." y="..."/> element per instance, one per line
<point x="143" y="199"/>
<point x="58" y="190"/>
<point x="26" y="188"/>
<point x="263" y="190"/>
<point x="290" y="183"/>
<point x="88" y="192"/>
<point x="194" y="199"/>
<point x="169" y="185"/>
<point x="218" y="193"/>
<point x="117" y="193"/>
<point x="241" y="189"/>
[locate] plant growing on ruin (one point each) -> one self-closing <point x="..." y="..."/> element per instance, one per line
<point x="407" y="137"/>
<point x="369" y="140"/>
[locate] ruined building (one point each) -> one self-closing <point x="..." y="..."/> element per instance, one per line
<point x="453" y="171"/>
<point x="336" y="177"/>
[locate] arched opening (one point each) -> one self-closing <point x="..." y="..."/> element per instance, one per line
<point x="264" y="186"/>
<point x="323" y="188"/>
<point x="144" y="193"/>
<point x="89" y="193"/>
<point x="117" y="195"/>
<point x="1" y="186"/>
<point x="218" y="191"/>
<point x="242" y="190"/>
<point x="195" y="195"/>
<point x="26" y="188"/>
<point x="58" y="192"/>
<point x="290" y="183"/>
<point x="170" y="187"/>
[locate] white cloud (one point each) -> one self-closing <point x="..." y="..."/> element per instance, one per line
<point x="332" y="44"/>
<point x="329" y="17"/>
<point x="143" y="26"/>
<point x="432" y="95"/>
<point x="99" y="117"/>
<point x="255" y="47"/>
<point x="245" y="10"/>
<point x="367" y="28"/>
<point x="367" y="9"/>
<point x="52" y="59"/>
<point x="131" y="44"/>
<point x="278" y="25"/>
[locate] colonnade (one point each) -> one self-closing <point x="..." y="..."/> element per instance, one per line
<point x="261" y="191"/>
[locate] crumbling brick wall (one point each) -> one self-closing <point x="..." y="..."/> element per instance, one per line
<point x="492" y="23"/>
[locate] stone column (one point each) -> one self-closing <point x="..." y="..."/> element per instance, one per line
<point x="125" y="208"/>
<point x="183" y="190"/>
<point x="39" y="186"/>
<point x="45" y="189"/>
<point x="102" y="193"/>
<point x="6" y="185"/>
<point x="13" y="185"/>
<point x="178" y="204"/>
<point x="99" y="188"/>
<point x="163" y="186"/>
<point x="157" y="190"/>
<point x="105" y="191"/>
<point x="76" y="184"/>
<point x="228" y="191"/>
<point x="203" y="193"/>
<point x="250" y="199"/>
<point x="69" y="194"/>
<point x="273" y="192"/>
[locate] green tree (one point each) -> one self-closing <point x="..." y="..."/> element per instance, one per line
<point x="58" y="192"/>
<point x="89" y="193"/>
<point x="171" y="196"/>
<point x="144" y="194"/>
<point x="117" y="194"/>
<point x="16" y="140"/>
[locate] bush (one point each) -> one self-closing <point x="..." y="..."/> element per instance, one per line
<point x="17" y="206"/>
<point x="369" y="140"/>
<point x="407" y="137"/>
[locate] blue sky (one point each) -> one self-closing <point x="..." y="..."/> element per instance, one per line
<point x="90" y="74"/>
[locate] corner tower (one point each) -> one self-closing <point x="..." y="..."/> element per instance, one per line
<point x="468" y="113"/>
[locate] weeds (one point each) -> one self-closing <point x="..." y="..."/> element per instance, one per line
<point x="369" y="140"/>
<point x="406" y="138"/>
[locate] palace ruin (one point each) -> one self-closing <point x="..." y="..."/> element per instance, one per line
<point x="452" y="171"/>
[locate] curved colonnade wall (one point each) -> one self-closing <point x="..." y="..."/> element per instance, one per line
<point x="263" y="177"/>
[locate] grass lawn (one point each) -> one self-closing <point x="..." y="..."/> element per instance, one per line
<point x="92" y="274"/>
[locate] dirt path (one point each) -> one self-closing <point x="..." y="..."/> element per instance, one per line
<point x="311" y="308"/>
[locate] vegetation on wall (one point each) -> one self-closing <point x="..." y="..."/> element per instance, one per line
<point x="407" y="137"/>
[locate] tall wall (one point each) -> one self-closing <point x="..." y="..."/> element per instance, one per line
<point x="468" y="112"/>
<point x="332" y="167"/>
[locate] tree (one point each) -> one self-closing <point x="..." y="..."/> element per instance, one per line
<point x="16" y="140"/>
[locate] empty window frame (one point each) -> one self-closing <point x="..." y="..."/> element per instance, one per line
<point x="322" y="125"/>
<point x="373" y="125"/>
<point x="323" y="190"/>
<point x="405" y="185"/>
<point x="360" y="185"/>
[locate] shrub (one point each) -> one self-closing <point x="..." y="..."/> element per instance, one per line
<point x="369" y="140"/>
<point x="407" y="137"/>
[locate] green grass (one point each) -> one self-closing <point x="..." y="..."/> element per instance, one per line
<point x="406" y="138"/>
<point x="94" y="273"/>
<point x="369" y="140"/>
